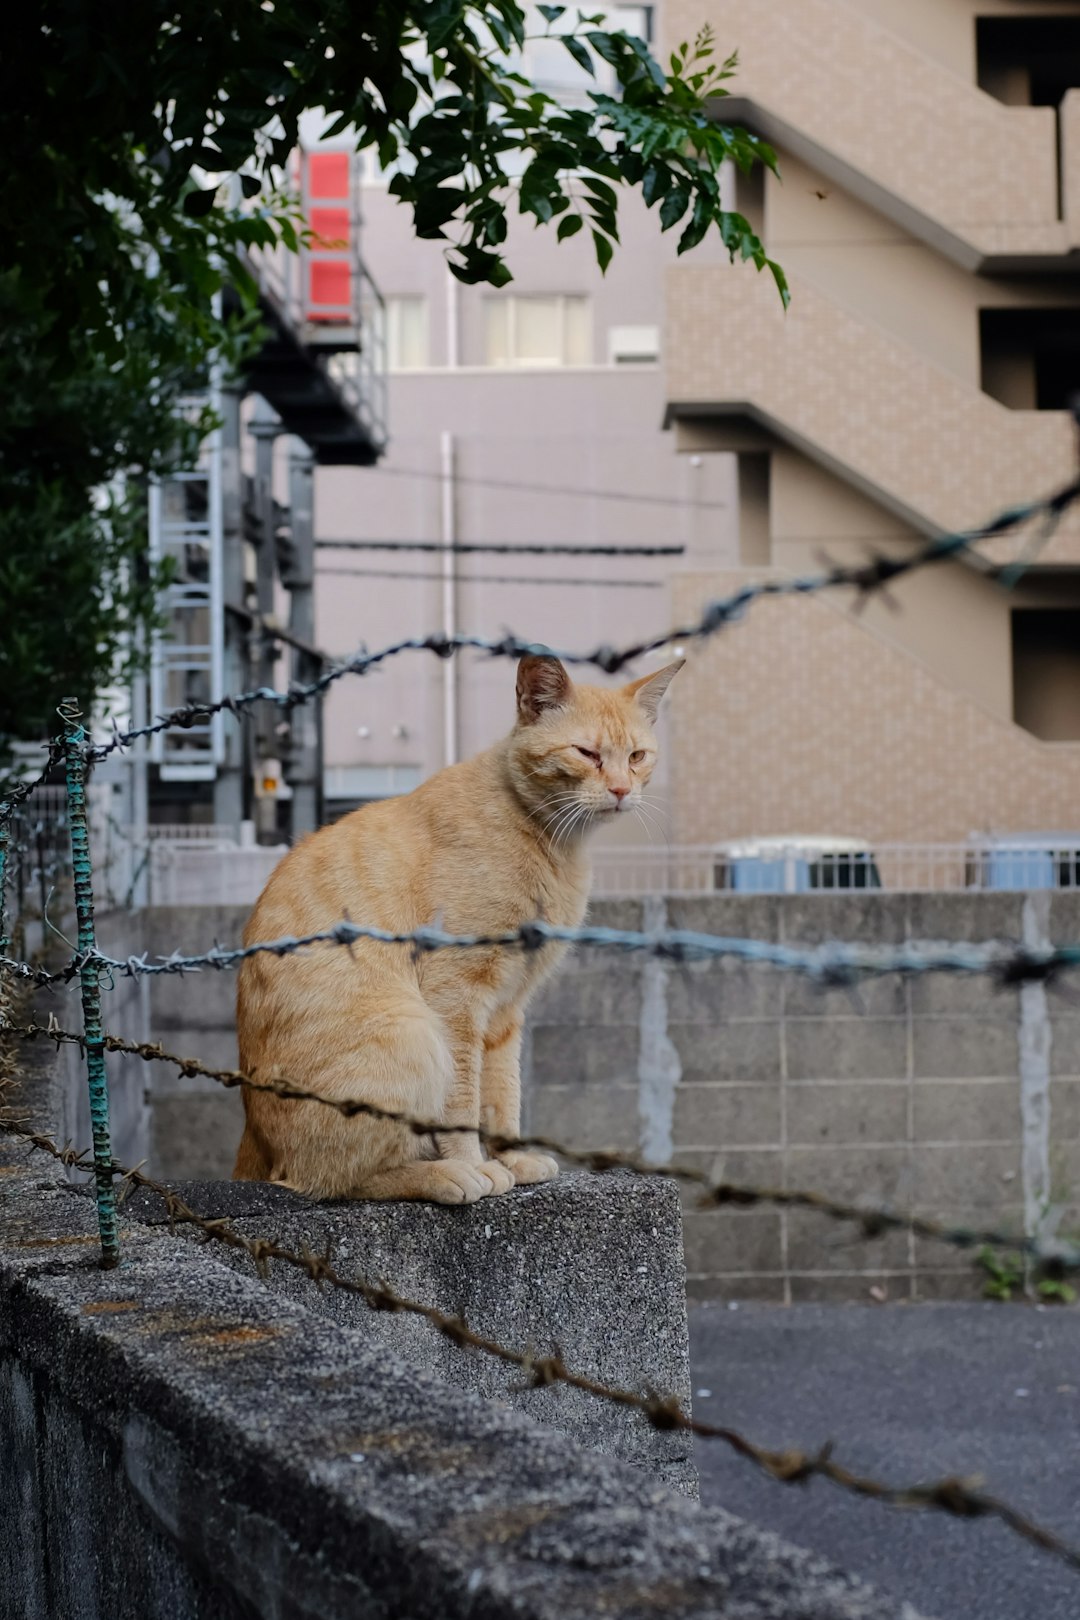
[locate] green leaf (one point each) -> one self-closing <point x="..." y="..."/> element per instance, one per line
<point x="579" y="53"/>
<point x="656" y="181"/>
<point x="699" y="223"/>
<point x="674" y="205"/>
<point x="569" y="226"/>
<point x="250" y="185"/>
<point x="551" y="13"/>
<point x="197" y="204"/>
<point x="604" y="250"/>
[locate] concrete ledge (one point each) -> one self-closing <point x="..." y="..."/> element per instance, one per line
<point x="593" y="1266"/>
<point x="177" y="1443"/>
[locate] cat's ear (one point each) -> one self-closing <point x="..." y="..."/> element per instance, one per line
<point x="651" y="688"/>
<point x="542" y="684"/>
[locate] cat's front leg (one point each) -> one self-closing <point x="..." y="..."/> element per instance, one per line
<point x="500" y="1097"/>
<point x="463" y="1105"/>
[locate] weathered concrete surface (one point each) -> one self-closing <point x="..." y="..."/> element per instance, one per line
<point x="178" y="1443"/>
<point x="591" y="1265"/>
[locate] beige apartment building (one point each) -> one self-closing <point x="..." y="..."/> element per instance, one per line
<point x="928" y="217"/>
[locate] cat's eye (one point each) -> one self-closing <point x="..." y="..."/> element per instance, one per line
<point x="590" y="753"/>
<point x="637" y="756"/>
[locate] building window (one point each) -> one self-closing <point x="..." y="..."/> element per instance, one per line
<point x="1046" y="672"/>
<point x="633" y="345"/>
<point x="406" y="334"/>
<point x="544" y="330"/>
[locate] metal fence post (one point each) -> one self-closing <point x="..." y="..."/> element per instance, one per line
<point x="75" y="762"/>
<point x="5" y="827"/>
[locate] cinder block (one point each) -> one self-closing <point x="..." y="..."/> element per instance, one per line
<point x="757" y="1167"/>
<point x="727" y="1116"/>
<point x="194" y="1136"/>
<point x="1064" y="1043"/>
<point x="584" y="994"/>
<point x="965" y="916"/>
<point x="604" y="1116"/>
<point x="845" y="1287"/>
<point x="742" y="916"/>
<point x="965" y="1048"/>
<point x="874" y="1175"/>
<point x="1064" y="1110"/>
<point x="721" y="1287"/>
<point x="864" y="919"/>
<point x="936" y="993"/>
<point x="706" y="992"/>
<point x="874" y="998"/>
<point x="737" y="1052"/>
<point x="731" y="1240"/>
<point x="818" y="1243"/>
<point x="967" y="1110"/>
<point x="960" y="1176"/>
<point x="820" y="1112"/>
<point x="846" y="1049"/>
<point x="600" y="1056"/>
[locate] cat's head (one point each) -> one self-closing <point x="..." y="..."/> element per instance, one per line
<point x="581" y="755"/>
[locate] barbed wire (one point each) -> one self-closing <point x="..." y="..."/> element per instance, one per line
<point x="957" y="1497"/>
<point x="1051" y="1257"/>
<point x="832" y="964"/>
<point x="865" y="578"/>
<point x="21" y="791"/>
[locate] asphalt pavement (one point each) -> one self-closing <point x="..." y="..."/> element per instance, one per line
<point x="906" y="1393"/>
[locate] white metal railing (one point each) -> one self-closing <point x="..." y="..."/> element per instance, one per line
<point x="1018" y="866"/>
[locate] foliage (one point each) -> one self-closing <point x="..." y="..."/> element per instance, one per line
<point x="1004" y="1273"/>
<point x="122" y="122"/>
<point x="1005" y="1276"/>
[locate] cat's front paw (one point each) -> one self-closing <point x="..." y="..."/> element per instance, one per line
<point x="528" y="1168"/>
<point x="500" y="1175"/>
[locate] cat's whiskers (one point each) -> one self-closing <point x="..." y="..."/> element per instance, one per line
<point x="560" y="800"/>
<point x="565" y="821"/>
<point x="650" y="821"/>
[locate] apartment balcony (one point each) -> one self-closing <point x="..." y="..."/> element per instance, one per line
<point x="322" y="366"/>
<point x="995" y="187"/>
<point x="931" y="448"/>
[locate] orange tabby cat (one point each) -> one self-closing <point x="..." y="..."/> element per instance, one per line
<point x="480" y="848"/>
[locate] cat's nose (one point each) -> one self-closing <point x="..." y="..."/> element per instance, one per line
<point x="619" y="793"/>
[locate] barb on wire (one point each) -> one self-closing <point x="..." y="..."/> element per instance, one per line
<point x="865" y="578"/>
<point x="957" y="1497"/>
<point x="1051" y="1257"/>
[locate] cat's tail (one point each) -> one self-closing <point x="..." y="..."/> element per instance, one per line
<point x="252" y="1163"/>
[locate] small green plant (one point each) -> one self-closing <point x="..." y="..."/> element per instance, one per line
<point x="1055" y="1291"/>
<point x="1004" y="1274"/>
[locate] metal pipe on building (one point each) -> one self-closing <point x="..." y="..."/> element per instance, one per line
<point x="448" y="512"/>
<point x="303" y="767"/>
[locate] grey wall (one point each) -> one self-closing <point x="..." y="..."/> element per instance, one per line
<point x="945" y="1095"/>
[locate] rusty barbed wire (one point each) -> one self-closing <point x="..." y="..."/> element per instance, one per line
<point x="1051" y="1257"/>
<point x="832" y="964"/>
<point x="21" y="791"/>
<point x="865" y="578"/>
<point x="957" y="1497"/>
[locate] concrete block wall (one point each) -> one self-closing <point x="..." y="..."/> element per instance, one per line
<point x="944" y="1095"/>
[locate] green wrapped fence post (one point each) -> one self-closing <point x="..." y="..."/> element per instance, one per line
<point x="75" y="760"/>
<point x="4" y="829"/>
